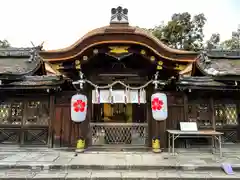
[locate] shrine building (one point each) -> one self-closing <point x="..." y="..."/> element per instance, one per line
<point x="118" y="68"/>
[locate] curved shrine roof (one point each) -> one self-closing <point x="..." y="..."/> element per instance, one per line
<point x="123" y="30"/>
<point x="219" y="63"/>
<point x="19" y="61"/>
<point x="119" y="34"/>
<point x="123" y="34"/>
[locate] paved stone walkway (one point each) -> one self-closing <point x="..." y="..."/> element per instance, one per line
<point x="118" y="174"/>
<point x="55" y="158"/>
<point x="58" y="164"/>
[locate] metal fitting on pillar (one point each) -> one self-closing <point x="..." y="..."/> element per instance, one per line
<point x="155" y="81"/>
<point x="81" y="81"/>
<point x="81" y="75"/>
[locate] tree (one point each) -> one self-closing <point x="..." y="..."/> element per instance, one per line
<point x="158" y="30"/>
<point x="4" y="44"/>
<point x="182" y="31"/>
<point x="213" y="42"/>
<point x="234" y="42"/>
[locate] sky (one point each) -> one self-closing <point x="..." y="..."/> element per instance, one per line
<point x="60" y="23"/>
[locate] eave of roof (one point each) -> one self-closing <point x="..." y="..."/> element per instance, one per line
<point x="204" y="82"/>
<point x="50" y="81"/>
<point x="219" y="64"/>
<point x="135" y="30"/>
<point x="18" y="62"/>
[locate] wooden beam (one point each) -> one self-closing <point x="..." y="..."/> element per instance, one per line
<point x="118" y="75"/>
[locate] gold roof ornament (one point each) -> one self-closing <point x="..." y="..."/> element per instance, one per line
<point x="95" y="51"/>
<point x="143" y="52"/>
<point x="119" y="49"/>
<point x="85" y="58"/>
<point x="159" y="66"/>
<point x="77" y="64"/>
<point x="187" y="71"/>
<point x="179" y="67"/>
<point x="57" y="66"/>
<point x="152" y="58"/>
<point x="51" y="69"/>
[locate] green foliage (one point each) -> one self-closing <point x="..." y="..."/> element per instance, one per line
<point x="213" y="42"/>
<point x="233" y="42"/>
<point x="4" y="44"/>
<point x="182" y="31"/>
<point x="158" y="31"/>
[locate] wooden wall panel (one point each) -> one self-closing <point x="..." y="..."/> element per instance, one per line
<point x="66" y="132"/>
<point x="176" y="114"/>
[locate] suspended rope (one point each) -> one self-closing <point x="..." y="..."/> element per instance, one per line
<point x="82" y="81"/>
<point x="114" y="83"/>
<point x="119" y="82"/>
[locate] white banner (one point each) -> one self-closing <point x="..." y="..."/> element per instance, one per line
<point x="132" y="96"/>
<point x="105" y="96"/>
<point x="118" y="96"/>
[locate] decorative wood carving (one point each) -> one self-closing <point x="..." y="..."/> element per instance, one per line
<point x="119" y="49"/>
<point x="179" y="67"/>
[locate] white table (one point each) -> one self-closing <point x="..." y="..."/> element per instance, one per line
<point x="174" y="134"/>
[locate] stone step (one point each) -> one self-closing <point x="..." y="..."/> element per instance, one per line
<point x="113" y="166"/>
<point x="61" y="160"/>
<point x="115" y="175"/>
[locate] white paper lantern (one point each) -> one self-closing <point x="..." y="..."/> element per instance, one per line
<point x="78" y="107"/>
<point x="159" y="106"/>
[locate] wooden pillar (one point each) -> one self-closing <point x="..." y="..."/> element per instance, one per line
<point x="212" y="113"/>
<point x="150" y="123"/>
<point x="57" y="126"/>
<point x="86" y="125"/>
<point x="24" y="118"/>
<point x="83" y="130"/>
<point x="58" y="119"/>
<point x="238" y="121"/>
<point x="185" y="107"/>
<point x="160" y="130"/>
<point x="51" y="119"/>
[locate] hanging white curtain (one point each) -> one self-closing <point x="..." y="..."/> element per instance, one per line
<point x="120" y="96"/>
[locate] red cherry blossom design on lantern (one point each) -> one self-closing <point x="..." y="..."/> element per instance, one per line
<point x="157" y="104"/>
<point x="79" y="106"/>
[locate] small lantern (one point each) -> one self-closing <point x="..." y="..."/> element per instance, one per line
<point x="159" y="106"/>
<point x="78" y="107"/>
